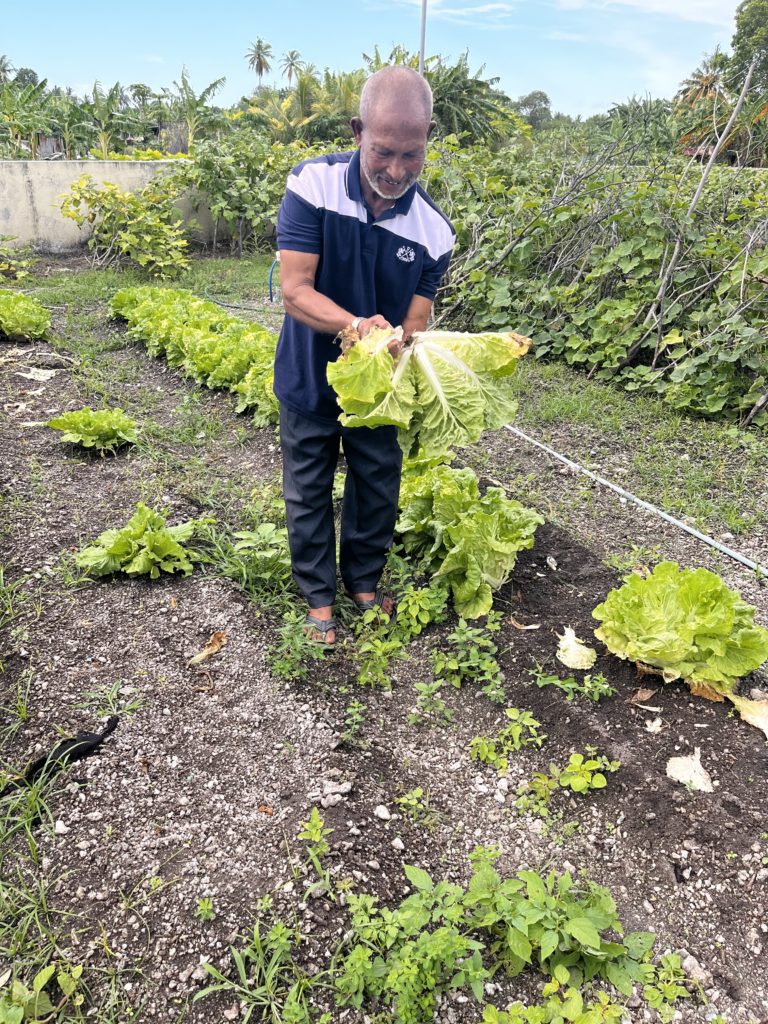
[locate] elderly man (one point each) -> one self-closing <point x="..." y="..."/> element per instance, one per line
<point x="361" y="244"/>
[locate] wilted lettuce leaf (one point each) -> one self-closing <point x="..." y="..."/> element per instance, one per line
<point x="688" y="624"/>
<point x="443" y="390"/>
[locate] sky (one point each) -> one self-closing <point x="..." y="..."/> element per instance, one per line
<point x="585" y="54"/>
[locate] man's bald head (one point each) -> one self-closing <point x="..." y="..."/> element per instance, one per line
<point x="396" y="89"/>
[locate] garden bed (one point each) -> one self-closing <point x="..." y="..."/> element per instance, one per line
<point x="201" y="791"/>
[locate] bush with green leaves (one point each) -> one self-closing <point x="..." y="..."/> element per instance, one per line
<point x="101" y="429"/>
<point x="14" y="262"/>
<point x="20" y="1003"/>
<point x="144" y="546"/>
<point x="445" y="936"/>
<point x="573" y="252"/>
<point x="142" y="227"/>
<point x="21" y="317"/>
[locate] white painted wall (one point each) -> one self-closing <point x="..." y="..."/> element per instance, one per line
<point x="30" y="192"/>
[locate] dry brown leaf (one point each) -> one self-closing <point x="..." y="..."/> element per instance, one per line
<point x="690" y="771"/>
<point x="173" y="603"/>
<point x="640" y="695"/>
<point x="266" y="809"/>
<point x="518" y="625"/>
<point x="705" y="691"/>
<point x="214" y="645"/>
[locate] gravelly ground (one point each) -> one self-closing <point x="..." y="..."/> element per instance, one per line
<point x="201" y="791"/>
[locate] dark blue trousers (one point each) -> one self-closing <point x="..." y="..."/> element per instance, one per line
<point x="310" y="450"/>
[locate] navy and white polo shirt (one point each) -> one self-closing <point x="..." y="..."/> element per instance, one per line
<point x="367" y="265"/>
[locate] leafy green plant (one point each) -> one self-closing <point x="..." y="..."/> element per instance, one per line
<point x="204" y="910"/>
<point x="142" y="227"/>
<point x="688" y="624"/>
<point x="471" y="658"/>
<point x="593" y="685"/>
<point x="21" y="317"/>
<point x="215" y="348"/>
<point x="442" y="935"/>
<point x="430" y="708"/>
<point x="418" y="607"/>
<point x="354" y="719"/>
<point x="664" y="986"/>
<point x="583" y="773"/>
<point x="415" y="804"/>
<point x="377" y="646"/>
<point x="289" y="658"/>
<point x="521" y="731"/>
<point x="268" y="981"/>
<point x="19" y="1003"/>
<point x="14" y="261"/>
<point x="102" y="429"/>
<point x="258" y="560"/>
<point x="560" y="1004"/>
<point x="468" y="540"/>
<point x="144" y="545"/>
<point x="315" y="834"/>
<point x="534" y="794"/>
<point x="442" y="391"/>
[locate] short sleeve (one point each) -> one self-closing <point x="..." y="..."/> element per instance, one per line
<point x="299" y="225"/>
<point x="432" y="274"/>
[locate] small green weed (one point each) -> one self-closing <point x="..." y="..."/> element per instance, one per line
<point x="430" y="709"/>
<point x="415" y="804"/>
<point x="522" y="731"/>
<point x="204" y="910"/>
<point x="471" y="658"/>
<point x="594" y="685"/>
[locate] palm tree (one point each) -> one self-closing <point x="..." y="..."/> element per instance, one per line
<point x="291" y="65"/>
<point x="258" y="57"/>
<point x="706" y="83"/>
<point x="6" y="69"/>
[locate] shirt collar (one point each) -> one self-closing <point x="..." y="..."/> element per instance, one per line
<point x="355" y="190"/>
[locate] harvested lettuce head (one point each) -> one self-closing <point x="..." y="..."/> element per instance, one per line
<point x="442" y="391"/>
<point x="689" y="625"/>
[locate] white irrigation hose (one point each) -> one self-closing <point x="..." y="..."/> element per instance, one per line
<point x="736" y="555"/>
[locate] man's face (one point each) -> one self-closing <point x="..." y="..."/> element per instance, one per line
<point x="392" y="152"/>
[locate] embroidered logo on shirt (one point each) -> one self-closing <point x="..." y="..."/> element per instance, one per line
<point x="406" y="254"/>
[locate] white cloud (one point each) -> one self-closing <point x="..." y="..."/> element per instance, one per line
<point x="494" y="14"/>
<point x="709" y="12"/>
<point x="151" y="58"/>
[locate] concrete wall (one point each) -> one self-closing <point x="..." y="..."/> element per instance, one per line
<point x="30" y="191"/>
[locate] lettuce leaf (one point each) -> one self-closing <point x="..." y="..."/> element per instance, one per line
<point x="688" y="624"/>
<point x="443" y="390"/>
<point x="467" y="539"/>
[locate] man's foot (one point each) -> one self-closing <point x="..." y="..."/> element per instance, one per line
<point x="376" y="600"/>
<point x="321" y="625"/>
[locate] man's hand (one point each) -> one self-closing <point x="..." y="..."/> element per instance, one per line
<point x="369" y="323"/>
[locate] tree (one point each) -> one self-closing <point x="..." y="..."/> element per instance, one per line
<point x="23" y="113"/>
<point x="291" y="65"/>
<point x="259" y="56"/>
<point x="751" y="39"/>
<point x="6" y="69"/>
<point x="192" y="109"/>
<point x="108" y="120"/>
<point x="25" y="76"/>
<point x="707" y="83"/>
<point x="535" y="107"/>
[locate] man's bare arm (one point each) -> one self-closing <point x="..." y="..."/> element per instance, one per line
<point x="303" y="302"/>
<point x="417" y="317"/>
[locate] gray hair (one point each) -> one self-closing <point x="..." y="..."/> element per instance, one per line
<point x="396" y="82"/>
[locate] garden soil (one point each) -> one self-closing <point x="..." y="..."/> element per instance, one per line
<point x="201" y="790"/>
